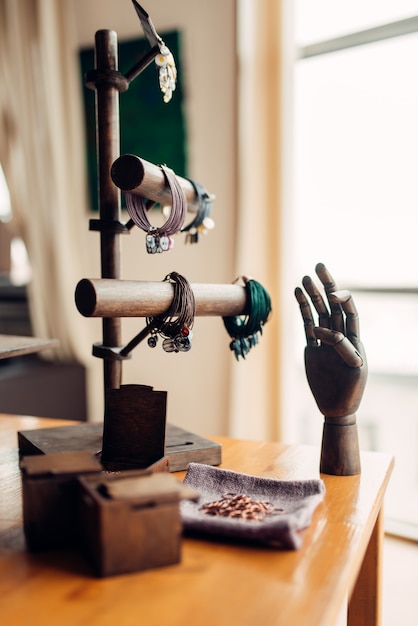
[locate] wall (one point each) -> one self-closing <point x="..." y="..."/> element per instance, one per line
<point x="197" y="382"/>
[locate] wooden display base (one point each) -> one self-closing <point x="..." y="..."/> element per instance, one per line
<point x="182" y="446"/>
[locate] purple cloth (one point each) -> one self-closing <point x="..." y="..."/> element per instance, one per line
<point x="298" y="499"/>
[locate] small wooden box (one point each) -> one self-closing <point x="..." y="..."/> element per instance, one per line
<point x="50" y="490"/>
<point x="131" y="523"/>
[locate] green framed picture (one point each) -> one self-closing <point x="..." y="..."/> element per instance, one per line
<point x="149" y="127"/>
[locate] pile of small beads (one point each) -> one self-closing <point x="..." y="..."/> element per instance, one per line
<point x="240" y="506"/>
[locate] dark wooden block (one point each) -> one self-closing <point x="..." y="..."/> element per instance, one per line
<point x="130" y="524"/>
<point x="49" y="489"/>
<point x="134" y="427"/>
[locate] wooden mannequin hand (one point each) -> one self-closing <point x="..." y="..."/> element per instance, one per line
<point x="336" y="368"/>
<point x="335" y="360"/>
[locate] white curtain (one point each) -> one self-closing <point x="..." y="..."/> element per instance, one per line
<point x="42" y="154"/>
<point x="255" y="393"/>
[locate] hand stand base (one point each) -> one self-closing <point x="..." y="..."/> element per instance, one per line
<point x="340" y="454"/>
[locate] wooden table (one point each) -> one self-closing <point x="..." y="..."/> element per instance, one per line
<point x="215" y="584"/>
<point x="17" y="345"/>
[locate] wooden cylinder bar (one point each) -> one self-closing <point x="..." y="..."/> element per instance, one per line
<point x="133" y="298"/>
<point x="136" y="175"/>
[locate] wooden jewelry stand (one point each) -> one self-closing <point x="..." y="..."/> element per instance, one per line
<point x="111" y="298"/>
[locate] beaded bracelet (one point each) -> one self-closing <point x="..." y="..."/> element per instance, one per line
<point x="159" y="239"/>
<point x="244" y="330"/>
<point x="175" y="325"/>
<point x="202" y="221"/>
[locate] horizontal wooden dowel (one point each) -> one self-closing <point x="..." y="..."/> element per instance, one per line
<point x="136" y="175"/>
<point x="132" y="298"/>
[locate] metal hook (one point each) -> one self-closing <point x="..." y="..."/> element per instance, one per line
<point x="153" y="38"/>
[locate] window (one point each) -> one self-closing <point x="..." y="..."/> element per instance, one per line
<point x="356" y="209"/>
<point x="14" y="263"/>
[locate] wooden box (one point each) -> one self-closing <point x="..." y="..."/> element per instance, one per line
<point x="131" y="523"/>
<point x="50" y="490"/>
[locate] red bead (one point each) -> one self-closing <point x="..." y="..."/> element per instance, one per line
<point x="184" y="331"/>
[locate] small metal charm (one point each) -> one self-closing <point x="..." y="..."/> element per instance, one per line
<point x="169" y="345"/>
<point x="182" y="343"/>
<point x="151" y="243"/>
<point x="192" y="236"/>
<point x="208" y="223"/>
<point x="152" y="341"/>
<point x="253" y="339"/>
<point x="241" y="346"/>
<point x="235" y="346"/>
<point x="164" y="243"/>
<point x="245" y="346"/>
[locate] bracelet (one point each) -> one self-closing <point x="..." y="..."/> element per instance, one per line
<point x="244" y="330"/>
<point x="202" y="221"/>
<point x="159" y="239"/>
<point x="175" y="325"/>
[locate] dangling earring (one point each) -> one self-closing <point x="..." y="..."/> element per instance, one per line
<point x="167" y="71"/>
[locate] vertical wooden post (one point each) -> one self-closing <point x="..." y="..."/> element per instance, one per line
<point x="108" y="149"/>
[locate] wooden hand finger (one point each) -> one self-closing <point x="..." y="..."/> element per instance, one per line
<point x="346" y="300"/>
<point x="342" y="345"/>
<point x="337" y="320"/>
<point x="317" y="301"/>
<point x="308" y="321"/>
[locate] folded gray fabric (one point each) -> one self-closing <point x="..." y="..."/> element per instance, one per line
<point x="294" y="503"/>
